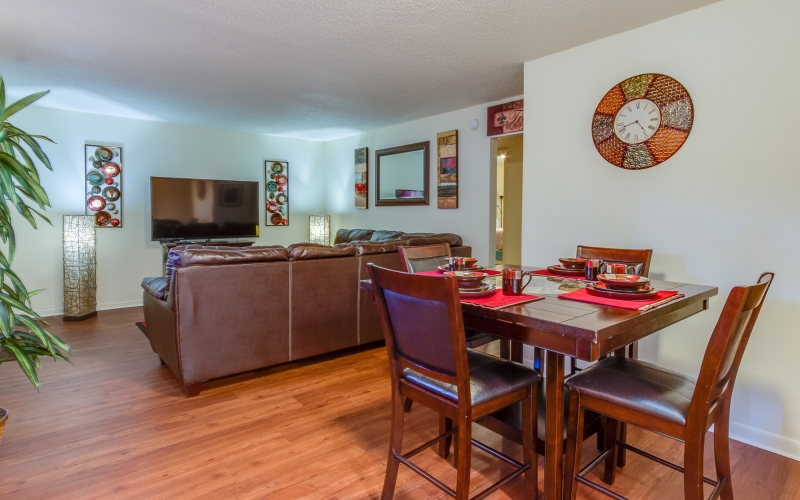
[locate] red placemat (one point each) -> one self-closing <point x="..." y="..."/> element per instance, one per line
<point x="583" y="296"/>
<point x="546" y="272"/>
<point x="497" y="300"/>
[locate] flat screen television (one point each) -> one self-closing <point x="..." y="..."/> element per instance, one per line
<point x="201" y="209"/>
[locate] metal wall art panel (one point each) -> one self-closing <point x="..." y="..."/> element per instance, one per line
<point x="104" y="184"/>
<point x="276" y="193"/>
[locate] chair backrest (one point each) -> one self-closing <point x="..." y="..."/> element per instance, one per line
<point x="423" y="258"/>
<point x="625" y="255"/>
<point x="423" y="325"/>
<point x="728" y="341"/>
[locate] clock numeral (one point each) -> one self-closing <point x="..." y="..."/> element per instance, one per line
<point x="651" y="127"/>
<point x="629" y="108"/>
<point x="620" y="124"/>
<point x="638" y="104"/>
<point x="651" y="112"/>
<point x="636" y="137"/>
<point x="627" y="137"/>
<point x="653" y="119"/>
<point x="622" y="116"/>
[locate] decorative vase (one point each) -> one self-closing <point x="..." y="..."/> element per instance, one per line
<point x="3" y="418"/>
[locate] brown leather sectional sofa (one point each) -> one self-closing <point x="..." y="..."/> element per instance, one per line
<point x="228" y="310"/>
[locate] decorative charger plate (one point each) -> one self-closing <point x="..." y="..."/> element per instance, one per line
<point x="600" y="290"/>
<point x="629" y="281"/>
<point x="443" y="269"/>
<point x="562" y="271"/>
<point x="484" y="291"/>
<point x="642" y="121"/>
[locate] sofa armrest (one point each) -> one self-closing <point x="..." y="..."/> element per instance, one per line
<point x="161" y="332"/>
<point x="157" y="287"/>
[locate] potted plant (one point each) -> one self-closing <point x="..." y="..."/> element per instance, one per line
<point x="22" y="336"/>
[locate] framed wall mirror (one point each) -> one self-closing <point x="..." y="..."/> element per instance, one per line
<point x="402" y="175"/>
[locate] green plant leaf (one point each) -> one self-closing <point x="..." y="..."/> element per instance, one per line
<point x="21" y="104"/>
<point x="24" y="362"/>
<point x="2" y="96"/>
<point x="37" y="149"/>
<point x="38" y="331"/>
<point x="40" y="215"/>
<point x="17" y="304"/>
<point x="28" y="161"/>
<point x="6" y="320"/>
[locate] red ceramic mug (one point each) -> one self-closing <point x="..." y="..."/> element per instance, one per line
<point x="512" y="281"/>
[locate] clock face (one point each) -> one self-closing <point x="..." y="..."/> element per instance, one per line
<point x="642" y="121"/>
<point x="637" y="121"/>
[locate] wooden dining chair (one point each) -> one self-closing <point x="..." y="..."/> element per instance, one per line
<point x="640" y="259"/>
<point x="429" y="361"/>
<point x="429" y="258"/>
<point x="419" y="259"/>
<point x="667" y="402"/>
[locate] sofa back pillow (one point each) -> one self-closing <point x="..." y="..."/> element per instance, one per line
<point x="451" y="239"/>
<point x="383" y="235"/>
<point x="373" y="247"/>
<point x="348" y="235"/>
<point x="308" y="251"/>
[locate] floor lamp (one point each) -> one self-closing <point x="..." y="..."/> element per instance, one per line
<point x="80" y="268"/>
<point x="319" y="229"/>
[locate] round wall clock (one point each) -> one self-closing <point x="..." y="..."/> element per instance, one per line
<point x="642" y="121"/>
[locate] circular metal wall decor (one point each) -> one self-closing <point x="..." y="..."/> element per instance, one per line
<point x="642" y="121"/>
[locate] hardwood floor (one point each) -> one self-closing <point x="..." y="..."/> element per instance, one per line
<point x="116" y="425"/>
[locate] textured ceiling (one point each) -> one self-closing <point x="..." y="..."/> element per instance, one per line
<point x="314" y="69"/>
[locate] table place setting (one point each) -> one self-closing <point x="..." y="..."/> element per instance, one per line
<point x="474" y="289"/>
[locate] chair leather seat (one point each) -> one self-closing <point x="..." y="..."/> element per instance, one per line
<point x="637" y="385"/>
<point x="490" y="378"/>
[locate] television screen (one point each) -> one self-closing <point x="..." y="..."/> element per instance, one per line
<point x="203" y="209"/>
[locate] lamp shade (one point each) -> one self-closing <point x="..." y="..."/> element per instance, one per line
<point x="80" y="264"/>
<point x="319" y="229"/>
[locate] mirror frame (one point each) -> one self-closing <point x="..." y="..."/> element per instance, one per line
<point x="425" y="147"/>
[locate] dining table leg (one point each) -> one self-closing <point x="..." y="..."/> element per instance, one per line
<point x="554" y="425"/>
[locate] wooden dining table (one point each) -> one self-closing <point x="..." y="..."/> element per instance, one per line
<point x="582" y="330"/>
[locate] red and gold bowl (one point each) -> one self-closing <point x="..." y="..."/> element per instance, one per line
<point x="573" y="263"/>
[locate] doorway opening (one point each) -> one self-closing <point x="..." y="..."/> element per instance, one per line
<point x="508" y="200"/>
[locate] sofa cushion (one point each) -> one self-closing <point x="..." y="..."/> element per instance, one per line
<point x="172" y="256"/>
<point x="212" y="255"/>
<point x="383" y="235"/>
<point x="307" y="251"/>
<point x="373" y="247"/>
<point x="157" y="287"/>
<point x="451" y="239"/>
<point x="348" y="235"/>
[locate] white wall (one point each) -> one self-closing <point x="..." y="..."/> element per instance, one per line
<point x="722" y="210"/>
<point x="474" y="220"/>
<point x="126" y="255"/>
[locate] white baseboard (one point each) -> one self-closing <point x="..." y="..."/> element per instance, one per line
<point x="765" y="440"/>
<point x="119" y="304"/>
<point x="49" y="311"/>
<point x="101" y="306"/>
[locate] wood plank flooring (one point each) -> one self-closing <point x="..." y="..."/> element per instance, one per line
<point x="116" y="425"/>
